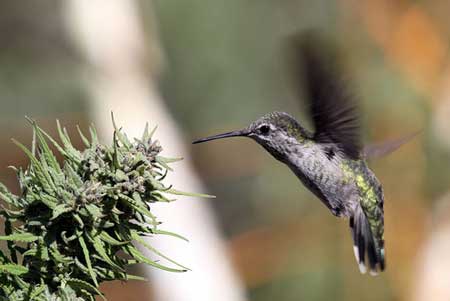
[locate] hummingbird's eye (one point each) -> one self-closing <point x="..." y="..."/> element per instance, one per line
<point x="264" y="129"/>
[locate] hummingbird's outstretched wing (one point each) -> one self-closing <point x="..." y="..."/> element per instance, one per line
<point x="332" y="107"/>
<point x="381" y="149"/>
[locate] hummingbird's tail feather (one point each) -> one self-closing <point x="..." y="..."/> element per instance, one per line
<point x="365" y="245"/>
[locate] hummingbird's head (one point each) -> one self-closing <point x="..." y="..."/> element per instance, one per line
<point x="276" y="132"/>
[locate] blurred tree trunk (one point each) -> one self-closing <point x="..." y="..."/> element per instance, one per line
<point x="432" y="277"/>
<point x="120" y="77"/>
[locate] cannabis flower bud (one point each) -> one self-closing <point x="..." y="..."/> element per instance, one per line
<point x="78" y="224"/>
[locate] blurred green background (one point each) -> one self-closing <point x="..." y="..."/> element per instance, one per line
<point x="222" y="65"/>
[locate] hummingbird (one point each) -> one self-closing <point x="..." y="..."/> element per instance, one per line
<point x="330" y="161"/>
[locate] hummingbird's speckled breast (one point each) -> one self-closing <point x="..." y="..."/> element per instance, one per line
<point x="323" y="175"/>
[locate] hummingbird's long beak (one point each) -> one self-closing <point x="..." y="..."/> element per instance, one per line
<point x="238" y="133"/>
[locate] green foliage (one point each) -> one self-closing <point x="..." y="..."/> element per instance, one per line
<point x="78" y="224"/>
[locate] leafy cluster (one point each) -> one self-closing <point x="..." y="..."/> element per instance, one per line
<point x="78" y="224"/>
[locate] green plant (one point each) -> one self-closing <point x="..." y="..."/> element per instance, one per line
<point x="78" y="224"/>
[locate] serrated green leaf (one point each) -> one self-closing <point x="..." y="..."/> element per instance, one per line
<point x="24" y="237"/>
<point x="74" y="176"/>
<point x="134" y="277"/>
<point x="71" y="152"/>
<point x="122" y="137"/>
<point x="156" y="184"/>
<point x="133" y="251"/>
<point x="115" y="154"/>
<point x="98" y="246"/>
<point x="12" y="214"/>
<point x="139" y="239"/>
<point x="138" y="158"/>
<point x="163" y="163"/>
<point x="138" y="200"/>
<point x="169" y="160"/>
<point x="83" y="138"/>
<point x="39" y="289"/>
<point x="60" y="209"/>
<point x="111" y="240"/>
<point x="57" y="177"/>
<point x="199" y="195"/>
<point x="13" y="269"/>
<point x="139" y="208"/>
<point x="87" y="259"/>
<point x="9" y="198"/>
<point x="94" y="210"/>
<point x="78" y="219"/>
<point x="104" y="225"/>
<point x="81" y="266"/>
<point x="58" y="257"/>
<point x="78" y="282"/>
<point x="121" y="176"/>
<point x="50" y="201"/>
<point x="30" y="252"/>
<point x="55" y="144"/>
<point x="116" y="211"/>
<point x="66" y="293"/>
<point x="43" y="176"/>
<point x="163" y="232"/>
<point x="94" y="136"/>
<point x="42" y="250"/>
<point x="160" y="198"/>
<point x="47" y="154"/>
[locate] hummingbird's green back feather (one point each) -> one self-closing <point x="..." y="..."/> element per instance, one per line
<point x="367" y="223"/>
